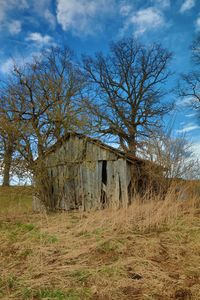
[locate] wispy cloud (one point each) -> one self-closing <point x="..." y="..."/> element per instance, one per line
<point x="189" y="127"/>
<point x="39" y="39"/>
<point x="197" y="23"/>
<point x="9" y="8"/>
<point x="50" y="18"/>
<point x="7" y="23"/>
<point x="162" y="3"/>
<point x="43" y="8"/>
<point x="196" y="149"/>
<point x="125" y="9"/>
<point x="8" y="5"/>
<point x="187" y="5"/>
<point x="186" y="101"/>
<point x="190" y="115"/>
<point x="15" y="27"/>
<point x="7" y="66"/>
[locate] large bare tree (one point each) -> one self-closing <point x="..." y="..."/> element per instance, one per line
<point x="44" y="96"/>
<point x="126" y="90"/>
<point x="190" y="84"/>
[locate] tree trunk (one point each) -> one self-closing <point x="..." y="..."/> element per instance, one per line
<point x="132" y="147"/>
<point x="8" y="152"/>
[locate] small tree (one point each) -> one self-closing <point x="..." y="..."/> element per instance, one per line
<point x="126" y="87"/>
<point x="174" y="154"/>
<point x="8" y="138"/>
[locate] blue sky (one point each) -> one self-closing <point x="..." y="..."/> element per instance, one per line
<point x="89" y="25"/>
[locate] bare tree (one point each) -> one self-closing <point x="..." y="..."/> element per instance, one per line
<point x="173" y="153"/>
<point x="126" y="88"/>
<point x="190" y="83"/>
<point x="44" y="97"/>
<point x="8" y="137"/>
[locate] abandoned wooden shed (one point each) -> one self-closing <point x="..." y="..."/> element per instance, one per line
<point x="88" y="174"/>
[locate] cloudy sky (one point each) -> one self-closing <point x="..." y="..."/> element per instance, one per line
<point x="89" y="25"/>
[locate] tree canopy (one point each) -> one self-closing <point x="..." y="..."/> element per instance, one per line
<point x="126" y="89"/>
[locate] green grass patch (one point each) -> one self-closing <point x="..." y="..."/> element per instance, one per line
<point x="108" y="246"/>
<point x="45" y="237"/>
<point x="24" y="231"/>
<point x="17" y="231"/>
<point x="15" y="198"/>
<point x="27" y="226"/>
<point x="81" y="275"/>
<point x="8" y="284"/>
<point x="111" y="271"/>
<point x="47" y="294"/>
<point x="84" y="233"/>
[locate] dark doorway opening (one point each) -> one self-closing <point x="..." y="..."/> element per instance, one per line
<point x="120" y="190"/>
<point x="104" y="172"/>
<point x="104" y="183"/>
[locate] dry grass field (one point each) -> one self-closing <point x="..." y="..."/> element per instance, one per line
<point x="150" y="251"/>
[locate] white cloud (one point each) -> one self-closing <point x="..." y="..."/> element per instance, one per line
<point x="191" y="115"/>
<point x="39" y="39"/>
<point x="41" y="5"/>
<point x="7" y="66"/>
<point x="50" y="18"/>
<point x="6" y="23"/>
<point x="197" y="23"/>
<point x="40" y="8"/>
<point x="162" y="3"/>
<point x="7" y="5"/>
<point x="83" y="17"/>
<point x="196" y="149"/>
<point x="187" y="5"/>
<point x="21" y="4"/>
<point x="186" y="101"/>
<point x="125" y="9"/>
<point x="189" y="127"/>
<point x="43" y="9"/>
<point x="147" y="19"/>
<point x="15" y="27"/>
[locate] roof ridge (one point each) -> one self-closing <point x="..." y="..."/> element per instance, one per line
<point x="128" y="156"/>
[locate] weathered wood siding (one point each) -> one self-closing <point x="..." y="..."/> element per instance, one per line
<point x="86" y="176"/>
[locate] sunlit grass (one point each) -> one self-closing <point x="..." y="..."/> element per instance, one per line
<point x="148" y="251"/>
<point x="15" y="199"/>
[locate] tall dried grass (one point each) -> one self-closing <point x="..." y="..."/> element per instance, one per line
<point x="66" y="254"/>
<point x="149" y="212"/>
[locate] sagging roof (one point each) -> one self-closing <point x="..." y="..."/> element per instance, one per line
<point x="128" y="156"/>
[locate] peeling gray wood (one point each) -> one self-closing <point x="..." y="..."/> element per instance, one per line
<point x="76" y="170"/>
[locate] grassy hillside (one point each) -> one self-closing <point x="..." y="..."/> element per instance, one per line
<point x="150" y="251"/>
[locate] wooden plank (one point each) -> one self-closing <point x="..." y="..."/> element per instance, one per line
<point x="95" y="153"/>
<point x="122" y="171"/>
<point x="112" y="184"/>
<point x="91" y="185"/>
